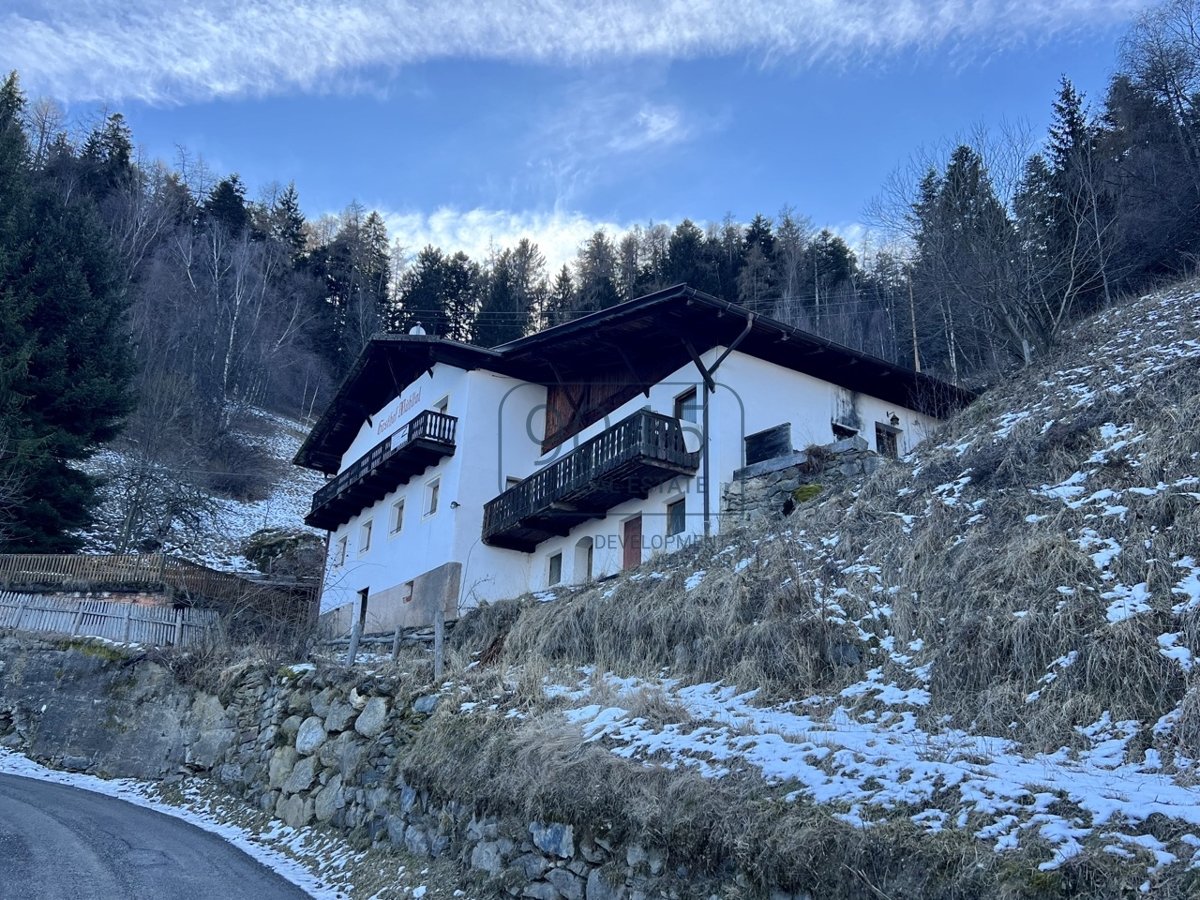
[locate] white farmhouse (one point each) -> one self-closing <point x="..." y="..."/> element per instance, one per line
<point x="463" y="474"/>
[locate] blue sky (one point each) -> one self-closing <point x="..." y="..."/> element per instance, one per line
<point x="469" y="123"/>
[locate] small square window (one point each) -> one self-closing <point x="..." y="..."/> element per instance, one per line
<point x="511" y="481"/>
<point x="555" y="568"/>
<point x="676" y="517"/>
<point x="340" y="554"/>
<point x="431" y="496"/>
<point x="364" y="537"/>
<point x="397" y="516"/>
<point x="887" y="440"/>
<point x="687" y="406"/>
<point x="443" y="405"/>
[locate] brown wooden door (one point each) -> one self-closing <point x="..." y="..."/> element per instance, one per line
<point x="632" y="544"/>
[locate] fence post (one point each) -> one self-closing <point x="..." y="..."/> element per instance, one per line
<point x="396" y="644"/>
<point x="439" y="642"/>
<point x="178" y="637"/>
<point x="78" y="620"/>
<point x="20" y="613"/>
<point x="128" y="620"/>
<point x="355" y="634"/>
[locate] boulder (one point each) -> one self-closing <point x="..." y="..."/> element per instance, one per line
<point x="310" y="736"/>
<point x="301" y="777"/>
<point x="371" y="720"/>
<point x="339" y="716"/>
<point x="567" y="883"/>
<point x="600" y="888"/>
<point x="280" y="766"/>
<point x="329" y="799"/>
<point x="553" y="838"/>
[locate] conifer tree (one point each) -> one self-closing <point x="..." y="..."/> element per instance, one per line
<point x="64" y="357"/>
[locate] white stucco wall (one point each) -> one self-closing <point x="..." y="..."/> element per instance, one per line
<point x="500" y="422"/>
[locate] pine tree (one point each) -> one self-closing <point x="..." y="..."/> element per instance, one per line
<point x="64" y="358"/>
<point x="226" y="205"/>
<point x="286" y="224"/>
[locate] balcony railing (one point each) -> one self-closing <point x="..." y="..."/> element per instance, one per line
<point x="421" y="443"/>
<point x="638" y="453"/>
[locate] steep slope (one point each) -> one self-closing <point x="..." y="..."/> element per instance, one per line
<point x="973" y="674"/>
<point x="214" y="528"/>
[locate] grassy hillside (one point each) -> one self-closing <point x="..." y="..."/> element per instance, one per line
<point x="974" y="676"/>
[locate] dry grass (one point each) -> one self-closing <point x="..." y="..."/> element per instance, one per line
<point x="996" y="596"/>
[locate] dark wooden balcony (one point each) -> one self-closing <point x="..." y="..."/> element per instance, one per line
<point x="421" y="443"/>
<point x="638" y="453"/>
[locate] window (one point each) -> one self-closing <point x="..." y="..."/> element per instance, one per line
<point x="364" y="537"/>
<point x="443" y="405"/>
<point x="511" y="481"/>
<point x="397" y="516"/>
<point x="431" y="496"/>
<point x="887" y="441"/>
<point x="555" y="569"/>
<point x="687" y="406"/>
<point x="676" y="517"/>
<point x="340" y="553"/>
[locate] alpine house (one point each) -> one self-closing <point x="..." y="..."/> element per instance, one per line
<point x="460" y="474"/>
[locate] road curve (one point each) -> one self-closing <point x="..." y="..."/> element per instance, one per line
<point x="62" y="843"/>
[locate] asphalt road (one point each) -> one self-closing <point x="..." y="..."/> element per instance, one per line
<point x="63" y="843"/>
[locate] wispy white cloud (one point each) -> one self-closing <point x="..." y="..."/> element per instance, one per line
<point x="162" y="51"/>
<point x="557" y="233"/>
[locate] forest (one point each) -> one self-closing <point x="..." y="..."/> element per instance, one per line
<point x="158" y="305"/>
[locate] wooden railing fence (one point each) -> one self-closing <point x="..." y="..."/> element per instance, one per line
<point x="151" y="571"/>
<point x="126" y="622"/>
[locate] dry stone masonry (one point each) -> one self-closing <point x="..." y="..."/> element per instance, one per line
<point x="775" y="487"/>
<point x="312" y="747"/>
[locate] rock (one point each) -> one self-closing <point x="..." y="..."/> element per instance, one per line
<point x="417" y="841"/>
<point x="339" y="716"/>
<point x="553" y="838"/>
<point x="570" y="885"/>
<point x="408" y="798"/>
<point x="486" y="857"/>
<point x="329" y="799"/>
<point x="635" y="855"/>
<point x="395" y="830"/>
<point x="291" y="725"/>
<point x="600" y="888"/>
<point x="426" y="705"/>
<point x="371" y="720"/>
<point x="590" y="851"/>
<point x="343" y="754"/>
<point x="532" y="866"/>
<point x="540" y="890"/>
<point x="295" y="811"/>
<point x="301" y="777"/>
<point x="310" y="736"/>
<point x="485" y="829"/>
<point x="321" y="701"/>
<point x="280" y="766"/>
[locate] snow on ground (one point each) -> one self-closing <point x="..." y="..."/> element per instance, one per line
<point x="218" y="541"/>
<point x="869" y="766"/>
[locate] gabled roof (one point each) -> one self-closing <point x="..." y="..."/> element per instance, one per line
<point x="646" y="333"/>
<point x="387" y="364"/>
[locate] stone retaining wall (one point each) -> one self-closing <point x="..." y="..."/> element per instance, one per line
<point x="775" y="487"/>
<point x="312" y="747"/>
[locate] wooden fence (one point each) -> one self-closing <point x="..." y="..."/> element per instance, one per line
<point x="127" y="622"/>
<point x="149" y="571"/>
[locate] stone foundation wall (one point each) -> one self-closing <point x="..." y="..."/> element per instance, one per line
<point x="312" y="747"/>
<point x="775" y="487"/>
